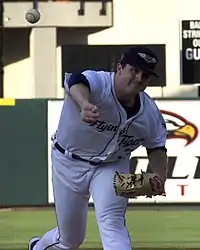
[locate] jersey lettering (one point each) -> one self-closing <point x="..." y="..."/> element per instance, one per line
<point x="102" y="126"/>
<point x="128" y="140"/>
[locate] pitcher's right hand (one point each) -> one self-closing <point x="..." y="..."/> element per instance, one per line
<point x="89" y="113"/>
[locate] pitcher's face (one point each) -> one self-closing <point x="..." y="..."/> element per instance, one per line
<point x="133" y="80"/>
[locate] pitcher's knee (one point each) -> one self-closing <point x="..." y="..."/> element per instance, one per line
<point x="72" y="242"/>
<point x="111" y="222"/>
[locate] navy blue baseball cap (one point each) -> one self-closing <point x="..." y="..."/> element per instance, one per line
<point x="140" y="57"/>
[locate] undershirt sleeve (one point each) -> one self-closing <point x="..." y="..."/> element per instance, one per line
<point x="89" y="78"/>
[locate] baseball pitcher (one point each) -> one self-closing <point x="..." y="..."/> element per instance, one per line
<point x="105" y="116"/>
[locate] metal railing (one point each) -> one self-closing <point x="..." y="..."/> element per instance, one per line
<point x="14" y="1"/>
<point x="81" y="11"/>
<point x="102" y="12"/>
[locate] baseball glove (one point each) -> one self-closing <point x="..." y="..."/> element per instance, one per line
<point x="134" y="185"/>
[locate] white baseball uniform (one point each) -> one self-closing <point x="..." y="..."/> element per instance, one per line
<point x="85" y="158"/>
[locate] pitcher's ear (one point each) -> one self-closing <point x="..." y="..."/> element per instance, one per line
<point x="119" y="67"/>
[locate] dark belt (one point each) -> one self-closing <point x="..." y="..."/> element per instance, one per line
<point x="76" y="157"/>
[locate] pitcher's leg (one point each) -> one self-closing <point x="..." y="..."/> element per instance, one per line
<point x="70" y="207"/>
<point x="110" y="209"/>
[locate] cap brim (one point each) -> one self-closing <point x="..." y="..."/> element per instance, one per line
<point x="146" y="69"/>
<point x="153" y="73"/>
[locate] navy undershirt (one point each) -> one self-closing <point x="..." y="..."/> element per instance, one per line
<point x="131" y="111"/>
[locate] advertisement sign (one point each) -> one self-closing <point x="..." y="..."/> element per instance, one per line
<point x="190" y="51"/>
<point x="183" y="144"/>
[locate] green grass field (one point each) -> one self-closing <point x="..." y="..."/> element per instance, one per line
<point x="148" y="229"/>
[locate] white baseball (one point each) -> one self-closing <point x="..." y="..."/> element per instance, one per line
<point x="32" y="16"/>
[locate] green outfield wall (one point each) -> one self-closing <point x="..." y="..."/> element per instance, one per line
<point x="23" y="153"/>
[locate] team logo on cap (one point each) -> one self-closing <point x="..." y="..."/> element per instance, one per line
<point x="147" y="58"/>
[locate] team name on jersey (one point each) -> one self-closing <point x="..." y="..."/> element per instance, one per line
<point x="129" y="142"/>
<point x="102" y="126"/>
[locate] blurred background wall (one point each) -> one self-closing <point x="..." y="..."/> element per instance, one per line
<point x="33" y="53"/>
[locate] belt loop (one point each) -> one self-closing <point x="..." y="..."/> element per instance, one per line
<point x="53" y="137"/>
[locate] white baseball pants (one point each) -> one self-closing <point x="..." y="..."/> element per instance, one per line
<point x="72" y="180"/>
